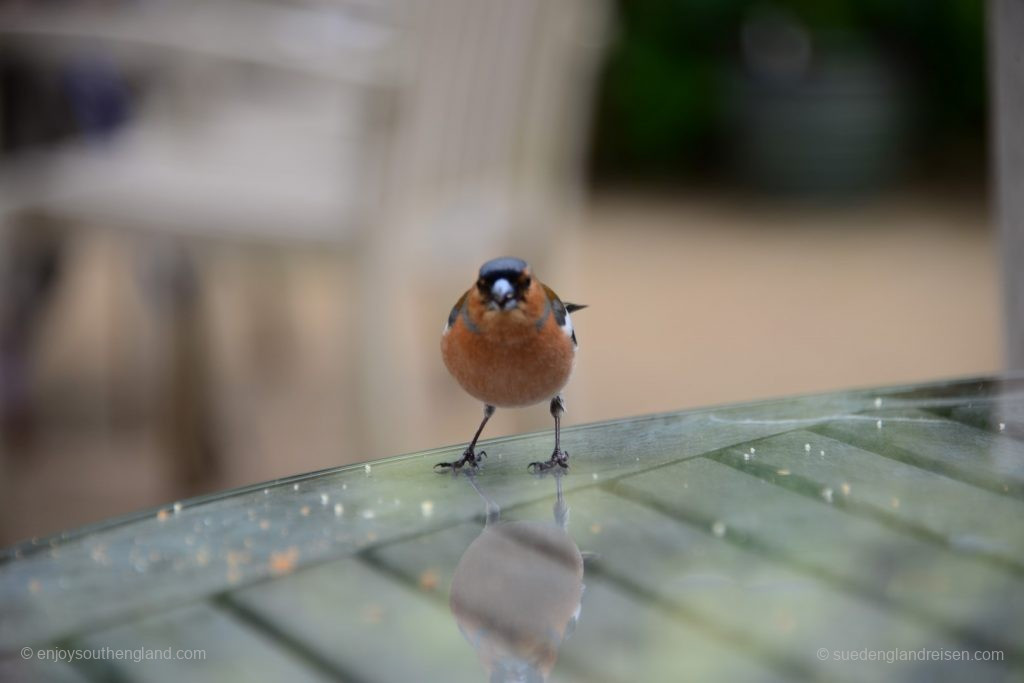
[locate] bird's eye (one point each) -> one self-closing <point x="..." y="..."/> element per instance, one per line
<point x="526" y="282"/>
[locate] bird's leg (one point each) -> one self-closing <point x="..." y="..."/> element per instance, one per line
<point x="559" y="458"/>
<point x="470" y="456"/>
<point x="561" y="508"/>
<point x="491" y="508"/>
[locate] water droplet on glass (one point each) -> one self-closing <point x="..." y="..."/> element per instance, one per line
<point x="594" y="476"/>
<point x="427" y="508"/>
<point x="368" y="514"/>
<point x="339" y="509"/>
<point x="878" y="424"/>
<point x="807" y="447"/>
<point x="324" y="499"/>
<point x="367" y="468"/>
<point x="304" y="511"/>
<point x="845" y="488"/>
<point x="266" y="492"/>
<point x="826" y="493"/>
<point x="177" y="507"/>
<point x="718" y="528"/>
<point x="822" y="453"/>
<point x="878" y="402"/>
<point x="746" y="456"/>
<point x="753" y="450"/>
<point x="1002" y="426"/>
<point x="295" y="487"/>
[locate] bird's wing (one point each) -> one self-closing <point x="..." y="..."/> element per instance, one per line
<point x="558" y="305"/>
<point x="454" y="315"/>
<point x="562" y="311"/>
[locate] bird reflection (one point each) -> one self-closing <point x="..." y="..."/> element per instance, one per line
<point x="516" y="592"/>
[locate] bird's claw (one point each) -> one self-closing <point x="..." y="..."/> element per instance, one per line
<point x="559" y="458"/>
<point x="468" y="458"/>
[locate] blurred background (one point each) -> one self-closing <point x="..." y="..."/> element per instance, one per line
<point x="231" y="230"/>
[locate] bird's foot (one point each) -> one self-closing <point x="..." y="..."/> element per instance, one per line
<point x="559" y="459"/>
<point x="469" y="457"/>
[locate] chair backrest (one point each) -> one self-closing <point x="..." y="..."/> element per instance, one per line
<point x="494" y="116"/>
<point x="252" y="124"/>
<point x="490" y="118"/>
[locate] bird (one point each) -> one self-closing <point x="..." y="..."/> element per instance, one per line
<point x="509" y="342"/>
<point x="517" y="591"/>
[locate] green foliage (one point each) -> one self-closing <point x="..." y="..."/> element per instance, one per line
<point x="662" y="104"/>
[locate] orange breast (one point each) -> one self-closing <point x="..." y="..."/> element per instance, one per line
<point x="508" y="362"/>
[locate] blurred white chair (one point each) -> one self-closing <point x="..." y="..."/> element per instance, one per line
<point x="487" y="160"/>
<point x="259" y="126"/>
<point x="254" y="124"/>
<point x="415" y="137"/>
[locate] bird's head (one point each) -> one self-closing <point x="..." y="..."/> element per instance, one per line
<point x="504" y="283"/>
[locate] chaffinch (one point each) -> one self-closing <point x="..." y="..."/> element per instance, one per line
<point x="509" y="341"/>
<point x="517" y="592"/>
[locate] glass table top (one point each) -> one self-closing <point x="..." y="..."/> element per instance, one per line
<point x="865" y="534"/>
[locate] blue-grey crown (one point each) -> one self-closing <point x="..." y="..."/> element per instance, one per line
<point x="506" y="267"/>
